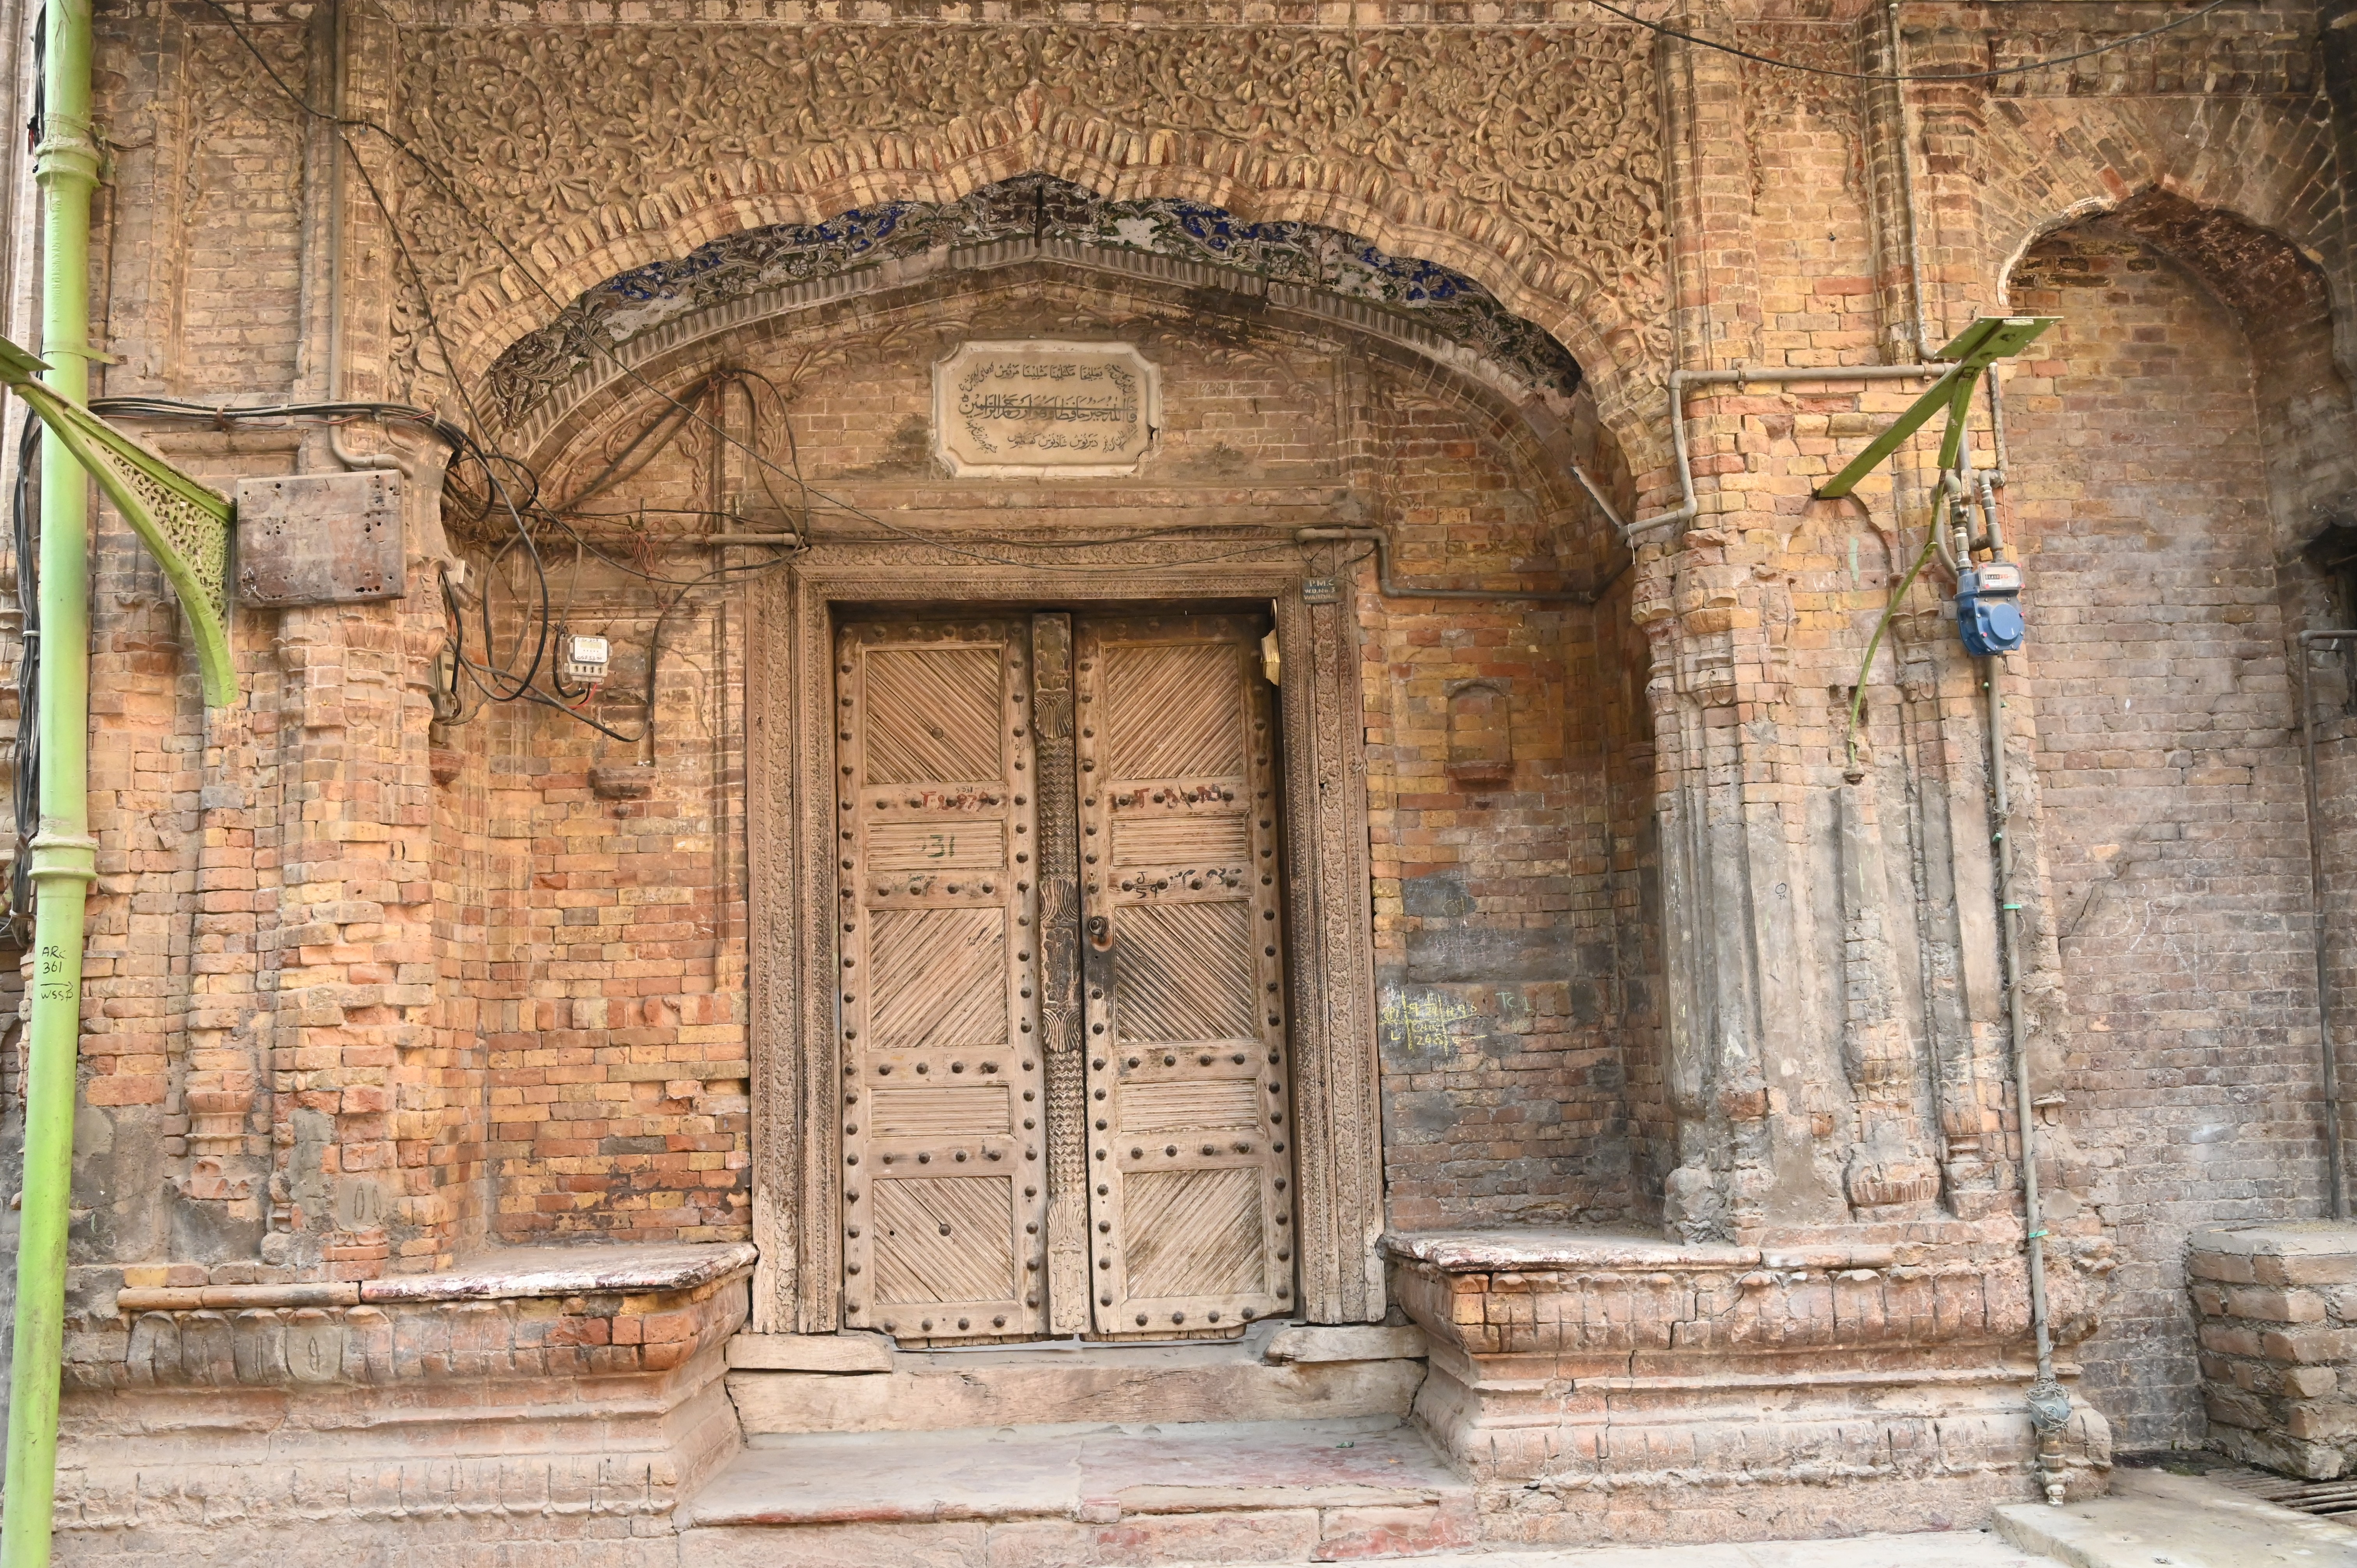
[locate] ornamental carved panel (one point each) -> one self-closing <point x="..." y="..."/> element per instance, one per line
<point x="1537" y="152"/>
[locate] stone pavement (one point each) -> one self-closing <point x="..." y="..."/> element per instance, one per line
<point x="1933" y="1548"/>
<point x="2179" y="1521"/>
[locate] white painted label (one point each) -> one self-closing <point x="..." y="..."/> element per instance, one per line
<point x="1045" y="410"/>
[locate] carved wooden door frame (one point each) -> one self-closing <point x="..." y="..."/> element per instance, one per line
<point x="790" y="799"/>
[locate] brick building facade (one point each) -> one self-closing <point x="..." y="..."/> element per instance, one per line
<point x="461" y="1158"/>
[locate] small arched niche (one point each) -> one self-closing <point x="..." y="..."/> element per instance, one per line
<point x="1480" y="735"/>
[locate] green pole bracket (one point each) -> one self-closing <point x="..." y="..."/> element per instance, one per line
<point x="1986" y="341"/>
<point x="185" y="525"/>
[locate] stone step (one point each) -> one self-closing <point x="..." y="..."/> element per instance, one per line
<point x="1078" y="1495"/>
<point x="858" y="1383"/>
<point x="2153" y="1516"/>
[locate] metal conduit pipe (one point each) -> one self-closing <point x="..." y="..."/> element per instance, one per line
<point x="1926" y="352"/>
<point x="335" y="135"/>
<point x="1742" y="375"/>
<point x="2336" y="1183"/>
<point x="2048" y="1405"/>
<point x="63" y="853"/>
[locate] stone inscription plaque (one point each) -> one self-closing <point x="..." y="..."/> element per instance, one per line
<point x="1033" y="410"/>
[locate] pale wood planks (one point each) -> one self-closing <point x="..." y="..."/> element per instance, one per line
<point x="1190" y="1213"/>
<point x="943" y="1186"/>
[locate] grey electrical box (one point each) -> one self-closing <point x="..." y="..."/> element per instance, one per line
<point x="320" y="539"/>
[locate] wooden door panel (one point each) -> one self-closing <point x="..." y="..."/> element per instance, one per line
<point x="929" y="849"/>
<point x="981" y="1111"/>
<point x="943" y="1240"/>
<point x="1183" y="972"/>
<point x="938" y="977"/>
<point x="1171" y="712"/>
<point x="932" y="714"/>
<point x="1195" y="1233"/>
<point x="943" y="1188"/>
<point x="1188" y="1142"/>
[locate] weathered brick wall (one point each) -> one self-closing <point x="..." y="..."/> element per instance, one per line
<point x="616" y="1067"/>
<point x="1498" y="978"/>
<point x="351" y="1016"/>
<point x="2175" y="833"/>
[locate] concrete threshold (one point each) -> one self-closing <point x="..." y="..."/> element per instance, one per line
<point x="2155" y="1520"/>
<point x="789" y="1385"/>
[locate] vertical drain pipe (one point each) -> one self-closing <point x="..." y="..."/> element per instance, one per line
<point x="64" y="855"/>
<point x="2336" y="1185"/>
<point x="2049" y="1405"/>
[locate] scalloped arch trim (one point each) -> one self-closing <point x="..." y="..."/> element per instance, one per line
<point x="1446" y="304"/>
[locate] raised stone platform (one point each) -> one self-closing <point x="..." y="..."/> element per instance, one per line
<point x="2275" y="1307"/>
<point x="1074" y="1494"/>
<point x="534" y="1395"/>
<point x="1583" y="1389"/>
<point x="1607" y="1388"/>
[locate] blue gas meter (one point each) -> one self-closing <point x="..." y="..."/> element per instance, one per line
<point x="1988" y="608"/>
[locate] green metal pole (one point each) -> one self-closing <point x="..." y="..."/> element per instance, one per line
<point x="64" y="854"/>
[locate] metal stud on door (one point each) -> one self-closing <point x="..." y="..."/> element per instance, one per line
<point x="944" y="1190"/>
<point x="1191" y="1212"/>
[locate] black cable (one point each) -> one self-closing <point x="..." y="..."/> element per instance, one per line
<point x="39" y="117"/>
<point x="646" y="725"/>
<point x="456" y="614"/>
<point x="620" y="466"/>
<point x="564" y="619"/>
<point x="449" y="187"/>
<point x="504" y="686"/>
<point x="2037" y="65"/>
<point x="328" y="413"/>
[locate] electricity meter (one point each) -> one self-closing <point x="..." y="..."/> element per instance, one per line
<point x="583" y="659"/>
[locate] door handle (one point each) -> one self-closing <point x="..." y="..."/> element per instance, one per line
<point x="1100" y="932"/>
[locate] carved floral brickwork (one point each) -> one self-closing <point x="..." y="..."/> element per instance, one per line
<point x="1536" y="152"/>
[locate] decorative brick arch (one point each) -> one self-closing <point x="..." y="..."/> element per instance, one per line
<point x="1529" y="163"/>
<point x="2260" y="168"/>
<point x="680" y="317"/>
<point x="492" y="328"/>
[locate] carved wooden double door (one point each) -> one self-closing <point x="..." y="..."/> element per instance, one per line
<point x="1063" y="1031"/>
